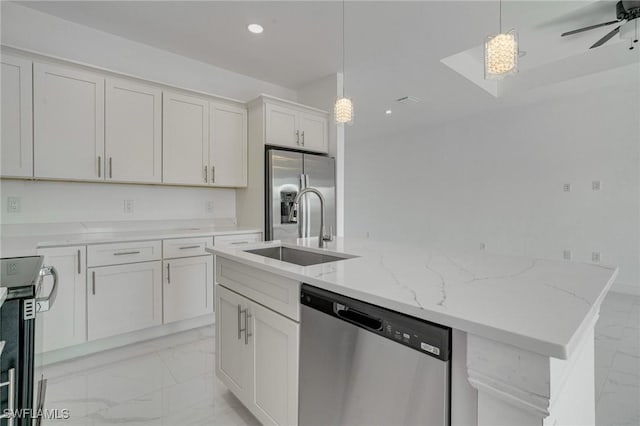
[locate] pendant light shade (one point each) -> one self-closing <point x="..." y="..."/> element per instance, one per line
<point x="343" y="111"/>
<point x="501" y="55"/>
<point x="343" y="108"/>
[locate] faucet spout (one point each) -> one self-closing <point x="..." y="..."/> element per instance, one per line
<point x="322" y="236"/>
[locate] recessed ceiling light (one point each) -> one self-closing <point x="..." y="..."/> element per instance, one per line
<point x="255" y="28"/>
<point x="388" y="112"/>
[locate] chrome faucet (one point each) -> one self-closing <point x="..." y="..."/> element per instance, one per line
<point x="322" y="237"/>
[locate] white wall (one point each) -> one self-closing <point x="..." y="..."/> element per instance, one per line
<point x="32" y="30"/>
<point x="46" y="202"/>
<point x="499" y="178"/>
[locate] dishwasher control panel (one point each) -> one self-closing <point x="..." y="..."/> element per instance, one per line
<point x="424" y="336"/>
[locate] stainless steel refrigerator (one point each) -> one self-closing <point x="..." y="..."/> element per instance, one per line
<point x="287" y="173"/>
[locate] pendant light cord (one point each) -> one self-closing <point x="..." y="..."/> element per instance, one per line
<point x="500" y="14"/>
<point x="343" y="47"/>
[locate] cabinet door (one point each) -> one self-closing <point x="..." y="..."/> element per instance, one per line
<point x="123" y="298"/>
<point x="282" y="126"/>
<point x="274" y="347"/>
<point x="228" y="148"/>
<point x="65" y="324"/>
<point x="68" y="126"/>
<point x="17" y="119"/>
<point x="233" y="362"/>
<point x="133" y="144"/>
<point x="185" y="139"/>
<point x="313" y="132"/>
<point x="188" y="288"/>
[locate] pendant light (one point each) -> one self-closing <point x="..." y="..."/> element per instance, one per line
<point x="343" y="108"/>
<point x="501" y="53"/>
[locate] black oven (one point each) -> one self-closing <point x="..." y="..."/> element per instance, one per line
<point x="22" y="385"/>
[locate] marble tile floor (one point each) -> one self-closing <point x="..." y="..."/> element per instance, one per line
<point x="170" y="381"/>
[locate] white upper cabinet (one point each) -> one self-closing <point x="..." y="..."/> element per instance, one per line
<point x="68" y="109"/>
<point x="185" y="146"/>
<point x="296" y="127"/>
<point x="17" y="119"/>
<point x="313" y="133"/>
<point x="228" y="145"/>
<point x="282" y="126"/>
<point x="133" y="132"/>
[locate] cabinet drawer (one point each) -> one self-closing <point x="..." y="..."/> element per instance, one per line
<point x="273" y="291"/>
<point x="119" y="253"/>
<point x="237" y="239"/>
<point x="185" y="247"/>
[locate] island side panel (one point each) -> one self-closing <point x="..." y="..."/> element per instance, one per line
<point x="464" y="398"/>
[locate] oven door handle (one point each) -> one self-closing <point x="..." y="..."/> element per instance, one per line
<point x="43" y="304"/>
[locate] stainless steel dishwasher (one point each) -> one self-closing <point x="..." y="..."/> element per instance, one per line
<point x="361" y="364"/>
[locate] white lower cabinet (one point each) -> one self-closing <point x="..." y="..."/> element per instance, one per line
<point x="258" y="357"/>
<point x="65" y="324"/>
<point x="123" y="298"/>
<point x="187" y="288"/>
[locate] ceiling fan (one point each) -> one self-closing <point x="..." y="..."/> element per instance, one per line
<point x="626" y="11"/>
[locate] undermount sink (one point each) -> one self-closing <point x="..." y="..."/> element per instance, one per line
<point x="296" y="256"/>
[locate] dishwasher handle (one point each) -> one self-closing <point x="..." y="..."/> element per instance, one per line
<point x="356" y="317"/>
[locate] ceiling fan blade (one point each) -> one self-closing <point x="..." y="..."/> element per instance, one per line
<point x="590" y="27"/>
<point x="606" y="38"/>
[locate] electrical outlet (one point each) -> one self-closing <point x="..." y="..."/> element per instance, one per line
<point x="566" y="187"/>
<point x="596" y="185"/>
<point x="483" y="246"/>
<point x="566" y="254"/>
<point x="209" y="207"/>
<point x="12" y="268"/>
<point x="13" y="204"/>
<point x="128" y="206"/>
<point x="595" y="257"/>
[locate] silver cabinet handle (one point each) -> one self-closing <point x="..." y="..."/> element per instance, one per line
<point x="206" y="178"/>
<point x="11" y="397"/>
<point x="168" y="273"/>
<point x="303" y="138"/>
<point x="43" y="304"/>
<point x="79" y="263"/>
<point x="111" y="164"/>
<point x="235" y="243"/>
<point x="247" y="316"/>
<point x="99" y="165"/>
<point x="213" y="174"/>
<point x="239" y="320"/>
<point x="124" y="253"/>
<point x="93" y="286"/>
<point x="188" y="247"/>
<point x="298" y="137"/>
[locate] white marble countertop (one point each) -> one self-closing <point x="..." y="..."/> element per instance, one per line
<point x="24" y="242"/>
<point x="543" y="306"/>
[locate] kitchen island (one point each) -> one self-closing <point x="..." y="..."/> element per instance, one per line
<point x="523" y="345"/>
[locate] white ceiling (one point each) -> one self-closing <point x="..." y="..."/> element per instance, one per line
<point x="393" y="48"/>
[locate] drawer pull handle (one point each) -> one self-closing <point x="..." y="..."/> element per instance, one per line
<point x="188" y="247"/>
<point x="235" y="243"/>
<point x="124" y="253"/>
